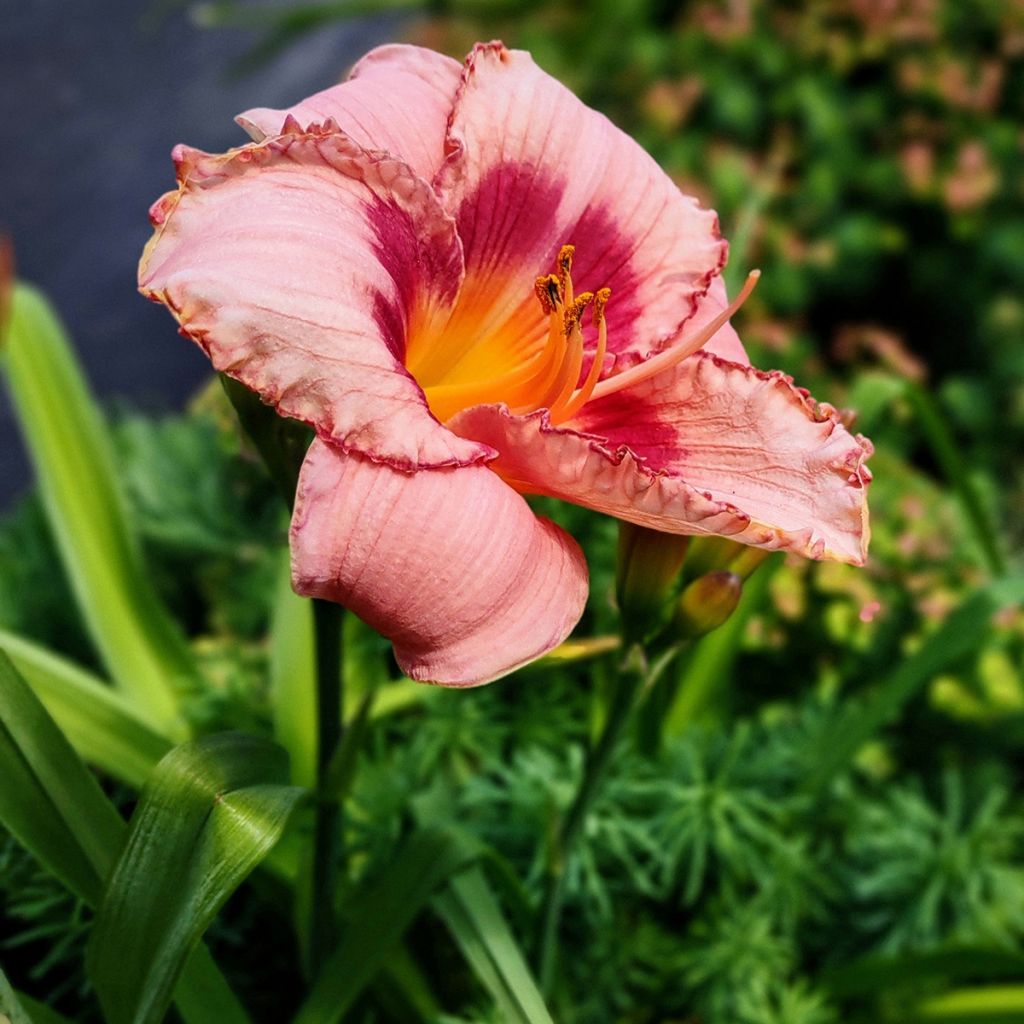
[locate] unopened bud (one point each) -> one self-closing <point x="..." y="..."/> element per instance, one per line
<point x="707" y="602"/>
<point x="647" y="575"/>
<point x="714" y="554"/>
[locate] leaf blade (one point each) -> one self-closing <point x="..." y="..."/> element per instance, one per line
<point x="210" y="813"/>
<point x="53" y="807"/>
<point x="475" y="921"/>
<point x="49" y="802"/>
<point x="100" y="724"/>
<point x="68" y="442"/>
<point x="378" y="917"/>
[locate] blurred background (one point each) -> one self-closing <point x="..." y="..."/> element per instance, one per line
<point x="830" y="826"/>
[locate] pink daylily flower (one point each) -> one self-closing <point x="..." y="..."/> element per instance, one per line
<point x="397" y="261"/>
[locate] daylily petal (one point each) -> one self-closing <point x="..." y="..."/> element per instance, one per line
<point x="532" y="168"/>
<point x="707" y="447"/>
<point x="450" y="564"/>
<point x="299" y="265"/>
<point x="397" y="99"/>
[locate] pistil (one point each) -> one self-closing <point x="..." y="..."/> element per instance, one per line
<point x="678" y="352"/>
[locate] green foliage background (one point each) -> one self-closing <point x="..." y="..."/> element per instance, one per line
<point x="866" y="155"/>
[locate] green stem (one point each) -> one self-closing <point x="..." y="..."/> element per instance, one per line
<point x="327" y="826"/>
<point x="626" y="687"/>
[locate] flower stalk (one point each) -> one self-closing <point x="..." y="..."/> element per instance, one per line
<point x="327" y="622"/>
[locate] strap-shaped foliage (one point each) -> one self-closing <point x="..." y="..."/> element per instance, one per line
<point x="209" y="814"/>
<point x="52" y="805"/>
<point x="378" y="916"/>
<point x="48" y="801"/>
<point x="18" y="1009"/>
<point x="141" y="645"/>
<point x="98" y="721"/>
<point x="469" y="909"/>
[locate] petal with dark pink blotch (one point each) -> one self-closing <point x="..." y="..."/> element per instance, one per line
<point x="450" y="564"/>
<point x="397" y="99"/>
<point x="709" y="447"/>
<point x="532" y="168"/>
<point x="300" y="265"/>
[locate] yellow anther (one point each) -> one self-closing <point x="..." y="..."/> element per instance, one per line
<point x="542" y="286"/>
<point x="601" y="298"/>
<point x="563" y="265"/>
<point x="574" y="313"/>
<point x="565" y="256"/>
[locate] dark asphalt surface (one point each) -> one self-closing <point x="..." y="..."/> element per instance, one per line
<point x="93" y="94"/>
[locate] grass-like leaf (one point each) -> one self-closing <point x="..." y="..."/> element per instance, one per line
<point x="52" y="805"/>
<point x="473" y="917"/>
<point x="140" y="644"/>
<point x="210" y="813"/>
<point x="100" y="723"/>
<point x="48" y="801"/>
<point x="995" y="1004"/>
<point x="379" y="915"/>
<point x="17" y="1009"/>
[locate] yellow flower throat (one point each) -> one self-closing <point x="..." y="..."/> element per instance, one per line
<point x="549" y="378"/>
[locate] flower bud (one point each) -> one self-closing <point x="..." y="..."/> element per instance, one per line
<point x="647" y="575"/>
<point x="714" y="554"/>
<point x="706" y="603"/>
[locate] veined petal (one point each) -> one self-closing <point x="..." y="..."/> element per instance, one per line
<point x="450" y="564"/>
<point x="532" y="168"/>
<point x="709" y="447"/>
<point x="300" y="265"/>
<point x="397" y="98"/>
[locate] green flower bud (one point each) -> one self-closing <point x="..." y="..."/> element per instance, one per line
<point x="647" y="576"/>
<point x="714" y="554"/>
<point x="706" y="603"/>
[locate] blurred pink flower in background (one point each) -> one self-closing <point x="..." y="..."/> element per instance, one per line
<point x="369" y="265"/>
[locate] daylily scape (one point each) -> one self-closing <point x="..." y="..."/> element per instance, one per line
<point x="474" y="287"/>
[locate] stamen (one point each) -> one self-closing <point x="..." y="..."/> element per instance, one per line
<point x="664" y="360"/>
<point x="572" y="362"/>
<point x="580" y="398"/>
<point x="564" y="265"/>
<point x="542" y="287"/>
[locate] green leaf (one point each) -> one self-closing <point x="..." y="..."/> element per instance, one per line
<point x="38" y="1012"/>
<point x="52" y="805"/>
<point x="293" y="679"/>
<point x="962" y="632"/>
<point x="932" y="420"/>
<point x="100" y="724"/>
<point x="473" y="917"/>
<point x="48" y="801"/>
<point x="17" y="1009"/>
<point x="995" y="1004"/>
<point x="209" y="814"/>
<point x="871" y="974"/>
<point x="140" y="644"/>
<point x="379" y="914"/>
